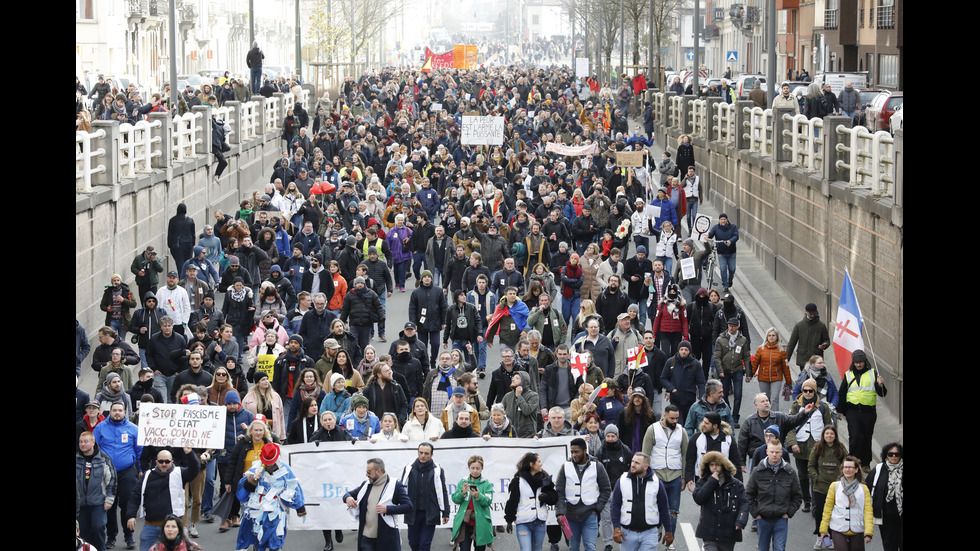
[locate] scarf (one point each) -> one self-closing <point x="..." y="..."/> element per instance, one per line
<point x="445" y="382"/>
<point x="502" y="427"/>
<point x="895" y="484"/>
<point x="237" y="296"/>
<point x="309" y="391"/>
<point x="849" y="488"/>
<point x="243" y="214"/>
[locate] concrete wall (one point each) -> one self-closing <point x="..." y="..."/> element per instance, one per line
<point x="806" y="231"/>
<point x="115" y="223"/>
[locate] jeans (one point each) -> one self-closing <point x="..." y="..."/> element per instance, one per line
<point x="256" y="79"/>
<point x="401" y="272"/>
<point x="774" y="531"/>
<point x="368" y="544"/>
<point x="726" y="266"/>
<point x="774" y="390"/>
<point x="91" y="525"/>
<point x="606" y="524"/>
<point x="207" y="502"/>
<point x="460" y="344"/>
<point x="640" y="541"/>
<point x="570" y="308"/>
<point x="383" y="297"/>
<point x="164" y="383"/>
<point x="481" y="356"/>
<point x="143" y="358"/>
<point x="432" y="338"/>
<point x="417" y="260"/>
<point x="118" y="327"/>
<point x="729" y="383"/>
<point x="643" y="240"/>
<point x="586" y="532"/>
<point x="673" y="489"/>
<point x="692" y="213"/>
<point x="149" y="536"/>
<point x="362" y="333"/>
<point x="468" y="540"/>
<point x="668" y="262"/>
<point x="641" y="306"/>
<point x="419" y="533"/>
<point x="530" y="536"/>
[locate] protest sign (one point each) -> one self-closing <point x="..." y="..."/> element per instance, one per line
<point x="629" y="158"/>
<point x="581" y="67"/>
<point x="329" y="470"/>
<point x="482" y="130"/>
<point x="265" y="363"/>
<point x="572" y="151"/>
<point x="180" y="426"/>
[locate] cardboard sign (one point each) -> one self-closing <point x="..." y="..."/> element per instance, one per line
<point x="687" y="268"/>
<point x="180" y="426"/>
<point x="482" y="130"/>
<point x="629" y="158"/>
<point x="265" y="363"/>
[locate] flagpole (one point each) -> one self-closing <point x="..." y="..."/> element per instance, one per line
<point x="874" y="364"/>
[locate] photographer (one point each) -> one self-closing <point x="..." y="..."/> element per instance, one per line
<point x="146" y="267"/>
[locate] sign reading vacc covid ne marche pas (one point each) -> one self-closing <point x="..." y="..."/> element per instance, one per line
<point x="331" y="469"/>
<point x="181" y="426"/>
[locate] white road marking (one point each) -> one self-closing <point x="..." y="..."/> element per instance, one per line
<point x="689" y="537"/>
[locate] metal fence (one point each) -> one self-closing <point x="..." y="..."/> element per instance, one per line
<point x="723" y="120"/>
<point x="699" y="118"/>
<point x="88" y="162"/>
<point x="805" y="143"/>
<point x="758" y="125"/>
<point x="186" y="135"/>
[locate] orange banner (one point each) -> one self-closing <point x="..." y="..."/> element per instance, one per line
<point x="464" y="56"/>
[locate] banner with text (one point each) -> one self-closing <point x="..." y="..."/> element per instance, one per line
<point x="569" y="150"/>
<point x="181" y="426"/>
<point x="482" y="130"/>
<point x="328" y="471"/>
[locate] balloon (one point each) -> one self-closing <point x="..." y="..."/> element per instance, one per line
<point x="316" y="189"/>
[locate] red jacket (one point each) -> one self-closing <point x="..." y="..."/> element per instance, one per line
<point x="639" y="84"/>
<point x="671" y="322"/>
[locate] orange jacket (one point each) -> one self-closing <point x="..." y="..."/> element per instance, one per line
<point x="769" y="364"/>
<point x="339" y="292"/>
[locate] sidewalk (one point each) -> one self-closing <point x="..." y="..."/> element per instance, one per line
<point x="767" y="304"/>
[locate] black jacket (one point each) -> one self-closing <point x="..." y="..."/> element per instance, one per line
<point x="362" y="309"/>
<point x="163" y="352"/>
<point x="427" y="308"/>
<point x="414" y="372"/>
<point x="420" y="491"/>
<point x="548" y="387"/>
<point x="772" y="495"/>
<point x="398" y="394"/>
<point x="723" y="506"/>
<point x="474" y="324"/>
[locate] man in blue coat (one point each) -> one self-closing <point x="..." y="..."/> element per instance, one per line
<point x="379" y="501"/>
<point x="727" y="233"/>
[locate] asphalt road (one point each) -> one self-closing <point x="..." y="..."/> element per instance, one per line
<point x="800" y="527"/>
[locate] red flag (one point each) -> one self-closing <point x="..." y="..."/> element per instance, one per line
<point x="580" y="364"/>
<point x="500" y="313"/>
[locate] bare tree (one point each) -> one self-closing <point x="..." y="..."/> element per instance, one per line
<point x="637" y="15"/>
<point x="367" y="20"/>
<point x="664" y="13"/>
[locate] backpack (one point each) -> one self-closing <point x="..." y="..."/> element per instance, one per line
<point x="518" y="250"/>
<point x="624" y="94"/>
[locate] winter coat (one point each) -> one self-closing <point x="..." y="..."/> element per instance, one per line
<point x="415" y="431"/>
<point x="572" y="278"/>
<point x="126" y="304"/>
<point x="522" y="410"/>
<point x="100" y="487"/>
<point x="697" y="412"/>
<point x="683" y="375"/>
<point x="467" y="331"/>
<point x="805" y="339"/>
<point x="361" y="308"/>
<point x="427" y="308"/>
<point x="250" y="403"/>
<point x="729" y="359"/>
<point x="773" y="494"/>
<point x="483" y="533"/>
<point x="372" y="390"/>
<point x="769" y="364"/>
<point x="603" y="352"/>
<point x="723" y="504"/>
<point x="590" y="282"/>
<point x="824" y="469"/>
<point x="552" y="321"/>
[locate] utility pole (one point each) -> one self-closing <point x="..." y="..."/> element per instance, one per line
<point x="695" y="84"/>
<point x="173" y="54"/>
<point x="299" y="46"/>
<point x="599" y="49"/>
<point x="251" y="21"/>
<point x="622" y="37"/>
<point x="650" y="61"/>
<point x="771" y="77"/>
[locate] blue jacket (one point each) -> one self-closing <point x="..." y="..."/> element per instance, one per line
<point x="339" y="404"/>
<point x="368" y="428"/>
<point x="728" y="232"/>
<point x="667" y="212"/>
<point x="118" y="441"/>
<point x="429" y="199"/>
<point x="233" y="429"/>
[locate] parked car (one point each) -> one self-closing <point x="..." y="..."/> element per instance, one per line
<point x="867" y="96"/>
<point x="897" y="120"/>
<point x="745" y="83"/>
<point x="879" y="113"/>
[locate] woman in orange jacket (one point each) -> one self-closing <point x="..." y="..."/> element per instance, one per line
<point x="339" y="288"/>
<point x="769" y="365"/>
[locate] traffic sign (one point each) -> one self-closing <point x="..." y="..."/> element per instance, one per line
<point x="732" y="56"/>
<point x="690" y="55"/>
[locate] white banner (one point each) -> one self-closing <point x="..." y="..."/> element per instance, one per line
<point x="569" y="150"/>
<point x="581" y="67"/>
<point x="181" y="426"/>
<point x="482" y="130"/>
<point x="328" y="471"/>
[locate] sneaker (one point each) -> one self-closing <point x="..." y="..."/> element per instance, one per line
<point x="806" y="506"/>
<point x="830" y="545"/>
<point x="755" y="525"/>
<point x="192" y="530"/>
<point x="671" y="547"/>
<point x="739" y="426"/>
<point x="819" y="544"/>
<point x="130" y="542"/>
<point x="382" y="338"/>
<point x="483" y="374"/>
<point x="109" y="544"/>
<point x="554" y="547"/>
<point x="208" y="518"/>
<point x="608" y="548"/>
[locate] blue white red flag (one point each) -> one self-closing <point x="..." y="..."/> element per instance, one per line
<point x="848" y="326"/>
